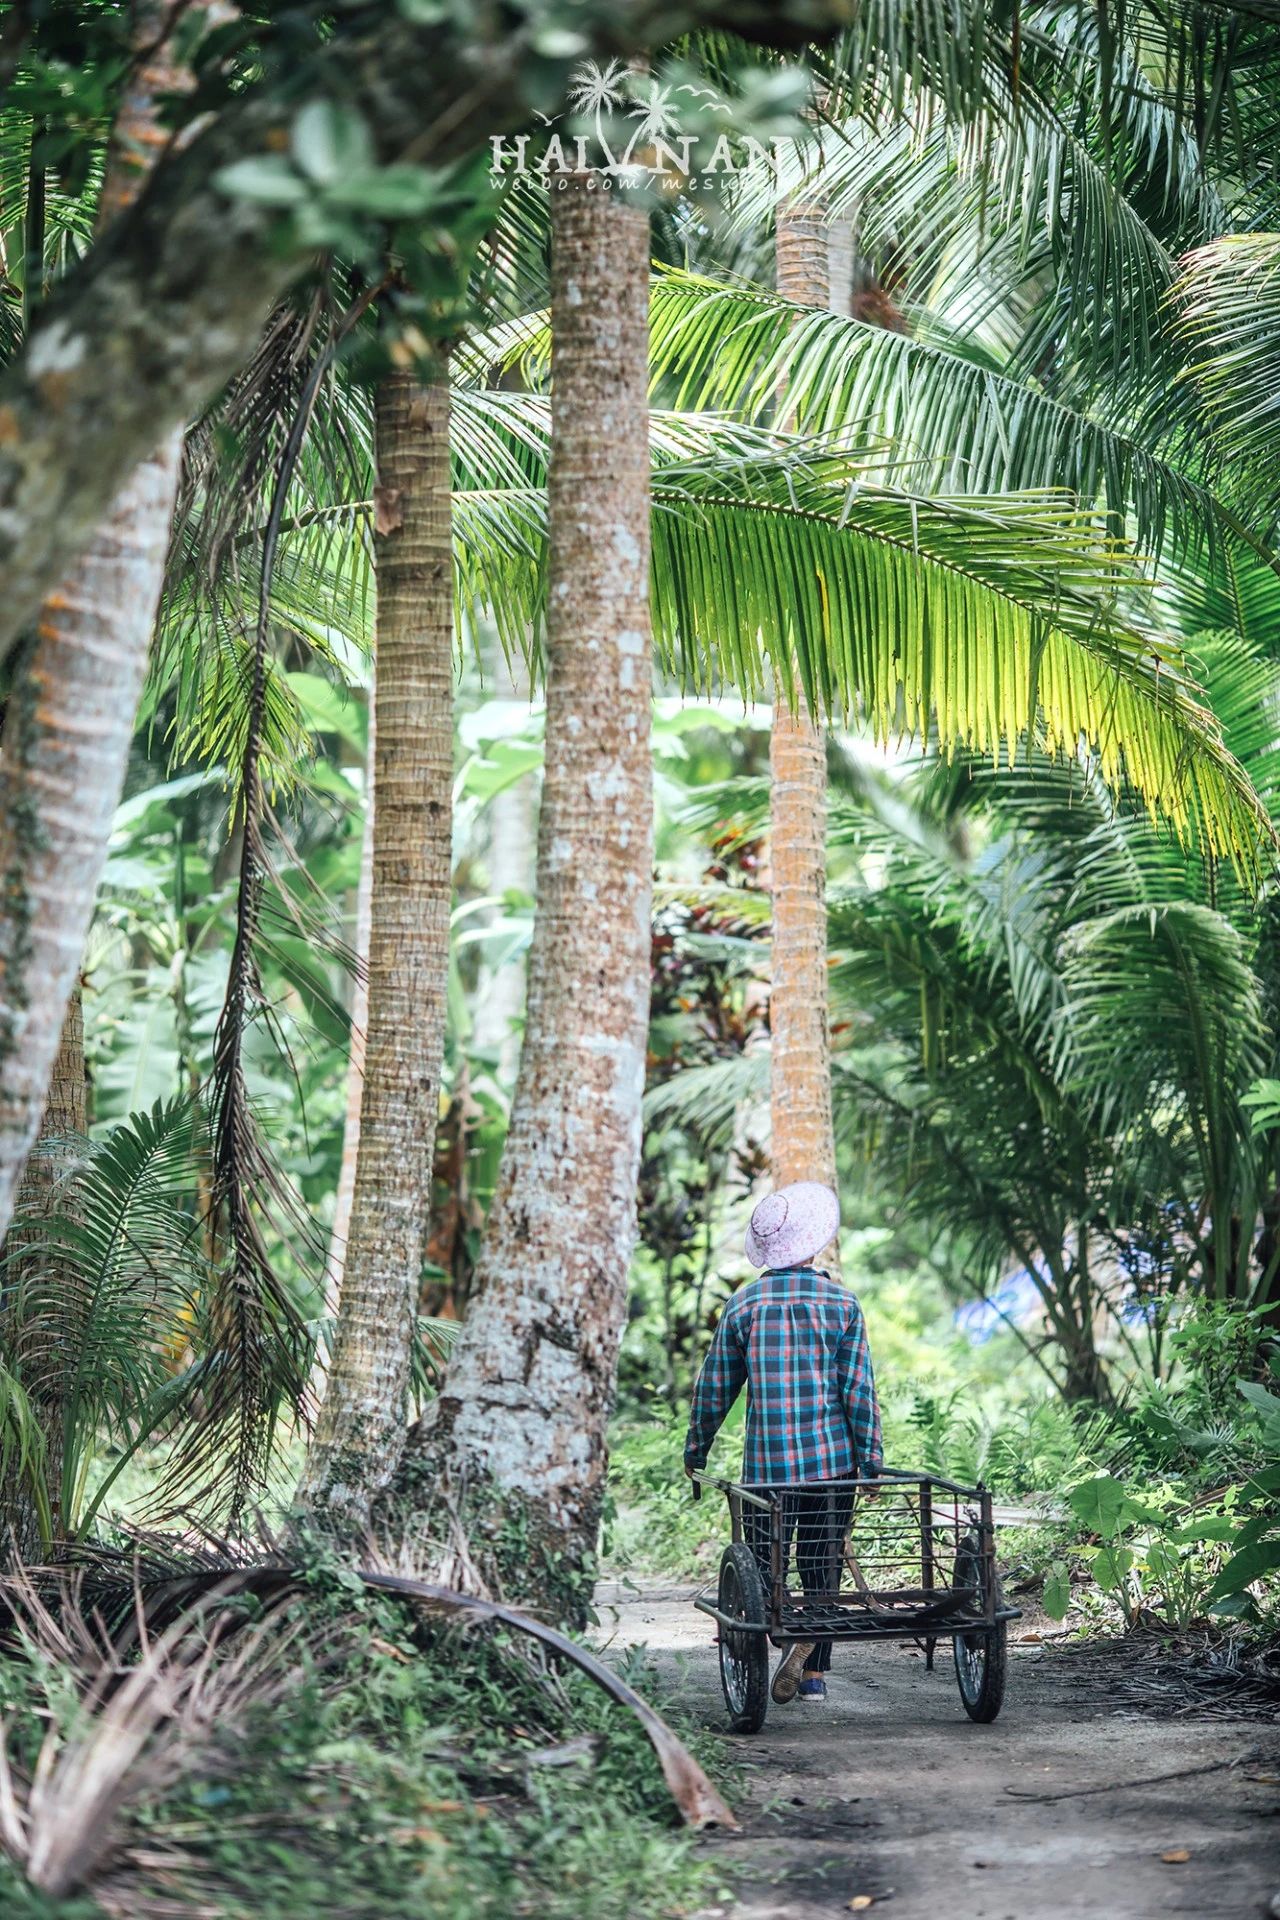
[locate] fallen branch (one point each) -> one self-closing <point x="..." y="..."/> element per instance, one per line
<point x="699" y="1804"/>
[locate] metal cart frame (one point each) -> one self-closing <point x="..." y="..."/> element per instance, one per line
<point x="902" y="1588"/>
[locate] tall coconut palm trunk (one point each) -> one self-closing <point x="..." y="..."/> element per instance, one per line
<point x="803" y="1142"/>
<point x="63" y="753"/>
<point x="527" y="1395"/>
<point x="362" y="1421"/>
<point x="75" y="695"/>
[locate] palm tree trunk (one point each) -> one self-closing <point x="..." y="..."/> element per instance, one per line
<point x="362" y="1422"/>
<point x="526" y="1398"/>
<point x="71" y="712"/>
<point x="800" y="1061"/>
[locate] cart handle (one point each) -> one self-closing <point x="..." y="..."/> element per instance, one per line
<point x="887" y="1476"/>
<point x="701" y="1478"/>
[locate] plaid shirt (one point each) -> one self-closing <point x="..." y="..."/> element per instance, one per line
<point x="795" y="1338"/>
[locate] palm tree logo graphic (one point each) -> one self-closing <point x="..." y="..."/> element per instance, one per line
<point x="656" y="118"/>
<point x="599" y="91"/>
<point x="604" y="92"/>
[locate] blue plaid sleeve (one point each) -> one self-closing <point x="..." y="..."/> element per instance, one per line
<point x="858" y="1389"/>
<point x="723" y="1376"/>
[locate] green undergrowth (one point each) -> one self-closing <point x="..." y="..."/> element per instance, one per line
<point x="403" y="1777"/>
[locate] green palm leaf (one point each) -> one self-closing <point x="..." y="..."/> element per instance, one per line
<point x="1228" y="300"/>
<point x="107" y="1281"/>
<point x="954" y="423"/>
<point x="986" y="618"/>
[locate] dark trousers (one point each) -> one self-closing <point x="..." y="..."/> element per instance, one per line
<point x="819" y="1522"/>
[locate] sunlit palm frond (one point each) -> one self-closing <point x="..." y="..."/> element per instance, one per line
<point x="988" y="618"/>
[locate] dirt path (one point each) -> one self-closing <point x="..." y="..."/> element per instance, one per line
<point x="1062" y="1808"/>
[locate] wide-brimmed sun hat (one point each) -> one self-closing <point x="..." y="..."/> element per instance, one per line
<point x="792" y="1224"/>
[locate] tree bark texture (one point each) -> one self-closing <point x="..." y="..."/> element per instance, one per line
<point x="172" y="301"/>
<point x="71" y="714"/>
<point x="803" y="1142"/>
<point x="362" y="1422"/>
<point x="525" y="1402"/>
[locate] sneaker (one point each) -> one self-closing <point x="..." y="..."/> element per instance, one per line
<point x="812" y="1690"/>
<point x="790" y="1667"/>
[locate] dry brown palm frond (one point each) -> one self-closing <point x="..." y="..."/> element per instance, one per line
<point x="211" y="1592"/>
<point x="134" y="1727"/>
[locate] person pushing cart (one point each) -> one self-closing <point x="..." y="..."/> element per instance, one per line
<point x="795" y="1338"/>
<point x="917" y="1567"/>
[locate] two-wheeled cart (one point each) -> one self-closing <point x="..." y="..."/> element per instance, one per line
<point x="907" y="1557"/>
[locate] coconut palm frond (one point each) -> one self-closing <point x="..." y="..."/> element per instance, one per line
<point x="710" y="1100"/>
<point x="955" y="424"/>
<point x="318" y="583"/>
<point x="105" y="1292"/>
<point x="1227" y="301"/>
<point x="1069" y="1011"/>
<point x="1015" y="205"/>
<point x="990" y="618"/>
<point x="185" y="1609"/>
<point x="132" y="1732"/>
<point x="259" y="1347"/>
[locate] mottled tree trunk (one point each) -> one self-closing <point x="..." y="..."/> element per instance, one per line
<point x="71" y="712"/>
<point x="800" y="1057"/>
<point x="362" y="1422"/>
<point x="524" y="1406"/>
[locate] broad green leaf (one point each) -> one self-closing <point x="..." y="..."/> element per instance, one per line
<point x="1056" y="1597"/>
<point x="1101" y="1504"/>
<point x="1110" y="1567"/>
<point x="688" y="716"/>
<point x="1201" y="1531"/>
<point x="330" y="709"/>
<point x="1252" y="1563"/>
<point x="1260" y="1399"/>
<point x="388" y="193"/>
<point x="267" y="178"/>
<point x="506" y="761"/>
<point x="331" y="143"/>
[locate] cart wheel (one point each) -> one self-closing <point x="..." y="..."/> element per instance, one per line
<point x="744" y="1657"/>
<point x="980" y="1657"/>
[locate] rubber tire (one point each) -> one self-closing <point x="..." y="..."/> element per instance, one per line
<point x="982" y="1704"/>
<point x="742" y="1595"/>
